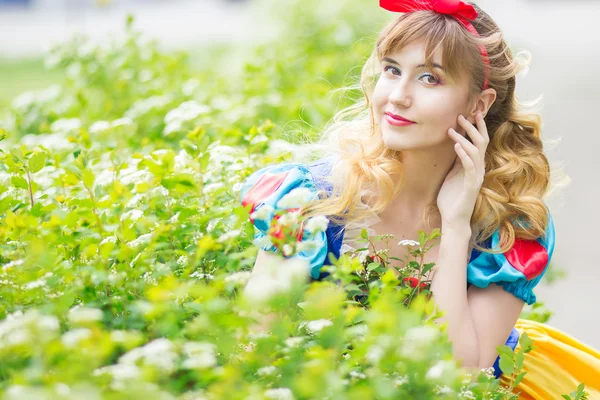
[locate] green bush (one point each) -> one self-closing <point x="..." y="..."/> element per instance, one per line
<point x="124" y="250"/>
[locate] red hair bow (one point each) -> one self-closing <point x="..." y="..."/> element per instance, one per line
<point x="461" y="11"/>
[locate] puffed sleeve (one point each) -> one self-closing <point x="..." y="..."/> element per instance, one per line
<point x="519" y="269"/>
<point x="264" y="189"/>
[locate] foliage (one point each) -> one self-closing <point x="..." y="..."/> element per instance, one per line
<point x="124" y="251"/>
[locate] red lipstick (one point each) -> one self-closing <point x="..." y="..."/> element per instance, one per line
<point x="397" y="120"/>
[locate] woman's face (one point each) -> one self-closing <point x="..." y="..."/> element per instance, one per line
<point x="430" y="99"/>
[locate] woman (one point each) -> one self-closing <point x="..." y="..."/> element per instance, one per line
<point x="440" y="141"/>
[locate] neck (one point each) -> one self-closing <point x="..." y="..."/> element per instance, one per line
<point x="423" y="176"/>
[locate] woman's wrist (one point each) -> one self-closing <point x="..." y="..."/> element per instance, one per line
<point x="460" y="229"/>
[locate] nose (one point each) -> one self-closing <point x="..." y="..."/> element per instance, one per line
<point x="401" y="95"/>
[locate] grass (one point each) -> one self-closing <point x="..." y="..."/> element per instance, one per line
<point x="17" y="76"/>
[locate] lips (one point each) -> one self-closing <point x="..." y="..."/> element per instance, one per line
<point x="399" y="118"/>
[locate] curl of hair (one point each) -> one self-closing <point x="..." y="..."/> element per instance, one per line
<point x="517" y="170"/>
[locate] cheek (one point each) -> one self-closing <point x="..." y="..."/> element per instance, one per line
<point x="444" y="110"/>
<point x="379" y="98"/>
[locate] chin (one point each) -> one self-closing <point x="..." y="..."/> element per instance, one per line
<point x="398" y="141"/>
<point x="401" y="141"/>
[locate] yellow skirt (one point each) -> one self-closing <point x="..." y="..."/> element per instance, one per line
<point x="557" y="364"/>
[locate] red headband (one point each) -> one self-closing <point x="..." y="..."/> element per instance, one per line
<point x="461" y="11"/>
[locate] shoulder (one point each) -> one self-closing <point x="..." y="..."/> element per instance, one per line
<point x="271" y="183"/>
<point x="519" y="269"/>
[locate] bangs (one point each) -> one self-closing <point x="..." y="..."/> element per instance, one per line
<point x="458" y="45"/>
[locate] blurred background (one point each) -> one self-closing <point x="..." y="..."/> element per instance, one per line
<point x="223" y="34"/>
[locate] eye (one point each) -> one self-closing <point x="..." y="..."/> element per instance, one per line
<point x="433" y="80"/>
<point x="388" y="67"/>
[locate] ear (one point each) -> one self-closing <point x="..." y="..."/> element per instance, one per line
<point x="483" y="103"/>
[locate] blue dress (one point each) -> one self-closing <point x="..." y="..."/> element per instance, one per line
<point x="518" y="270"/>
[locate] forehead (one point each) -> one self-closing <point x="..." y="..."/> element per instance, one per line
<point x="415" y="52"/>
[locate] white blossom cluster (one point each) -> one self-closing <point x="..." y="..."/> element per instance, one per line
<point x="27" y="329"/>
<point x="275" y="276"/>
<point x="84" y="315"/>
<point x="279" y="394"/>
<point x="417" y="340"/>
<point x="199" y="355"/>
<point x="124" y="125"/>
<point x="316" y="326"/>
<point x="186" y="113"/>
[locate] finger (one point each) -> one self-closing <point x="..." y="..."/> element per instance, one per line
<point x="466" y="161"/>
<point x="467" y="146"/>
<point x="482" y="127"/>
<point x="472" y="131"/>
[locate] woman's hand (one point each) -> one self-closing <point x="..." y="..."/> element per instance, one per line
<point x="457" y="197"/>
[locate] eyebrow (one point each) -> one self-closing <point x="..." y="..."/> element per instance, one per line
<point x="392" y="61"/>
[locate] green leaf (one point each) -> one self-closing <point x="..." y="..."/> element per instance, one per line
<point x="88" y="178"/>
<point x="519" y="378"/>
<point x="526" y="342"/>
<point x="19" y="182"/>
<point x="519" y="358"/>
<point x="504" y="349"/>
<point x="364" y="234"/>
<point x="36" y="162"/>
<point x="427" y="267"/>
<point x="566" y="397"/>
<point x="506" y="364"/>
<point x="373" y="266"/>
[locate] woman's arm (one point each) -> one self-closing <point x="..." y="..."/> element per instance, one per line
<point x="478" y="320"/>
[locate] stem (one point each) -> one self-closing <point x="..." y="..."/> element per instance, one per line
<point x="95" y="211"/>
<point x="30" y="189"/>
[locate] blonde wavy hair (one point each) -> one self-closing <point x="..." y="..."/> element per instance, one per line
<point x="517" y="170"/>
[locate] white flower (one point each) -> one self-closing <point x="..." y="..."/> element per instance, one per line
<point x="126" y="121"/>
<point x="489" y="372"/>
<point x="422" y="335"/>
<point x="80" y="314"/>
<point x="99" y="127"/>
<point x="287" y="250"/>
<point x="466" y="394"/>
<point x="408" y="243"/>
<point x="296" y="198"/>
<point x="357" y="375"/>
<point x="318" y="325"/>
<point x="239" y="278"/>
<point x="375" y="354"/>
<point x="416" y="341"/>
<point x="211" y="187"/>
<point x="276" y="276"/>
<point x="289" y="219"/>
<point x="401" y="380"/>
<point x="199" y="355"/>
<point x="11" y="264"/>
<point x="264" y="212"/>
<point x="229" y="235"/>
<point x="158" y="353"/>
<point x="294" y="341"/>
<point x="141" y="240"/>
<point x="443" y="390"/>
<point x="266" y="371"/>
<point x="134" y="215"/>
<point x="317" y="224"/>
<point x="279" y="394"/>
<point x="72" y="338"/>
<point x="307" y="246"/>
<point x="119" y="371"/>
<point x="183" y="260"/>
<point x="108" y="239"/>
<point x="18" y="328"/>
<point x="66" y="125"/>
<point x="439" y="370"/>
